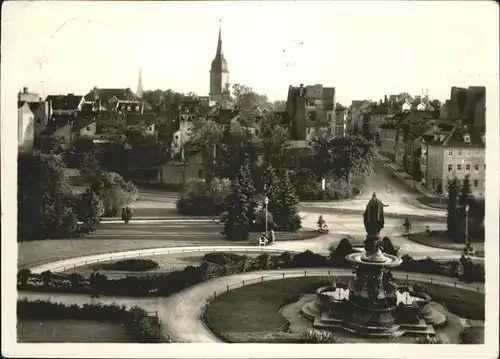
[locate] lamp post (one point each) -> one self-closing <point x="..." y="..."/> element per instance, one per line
<point x="266" y="202"/>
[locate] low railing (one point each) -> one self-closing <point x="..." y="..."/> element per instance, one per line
<point x="325" y="272"/>
<point x="332" y="273"/>
<point x="65" y="264"/>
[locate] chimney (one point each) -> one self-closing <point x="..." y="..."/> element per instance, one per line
<point x="25" y="90"/>
<point x="385" y="98"/>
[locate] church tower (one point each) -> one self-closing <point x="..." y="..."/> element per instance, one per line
<point x="219" y="76"/>
<point x="140" y="90"/>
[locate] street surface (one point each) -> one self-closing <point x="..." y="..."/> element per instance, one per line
<point x="344" y="219"/>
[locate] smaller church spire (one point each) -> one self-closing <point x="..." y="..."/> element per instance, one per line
<point x="219" y="41"/>
<point x="140" y="89"/>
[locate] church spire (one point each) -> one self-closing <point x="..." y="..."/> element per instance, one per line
<point x="140" y="90"/>
<point x="219" y="42"/>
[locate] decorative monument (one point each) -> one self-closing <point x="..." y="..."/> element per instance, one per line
<point x="372" y="304"/>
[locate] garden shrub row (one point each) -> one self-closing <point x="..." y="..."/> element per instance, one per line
<point x="132" y="265"/>
<point x="222" y="264"/>
<point x="143" y="328"/>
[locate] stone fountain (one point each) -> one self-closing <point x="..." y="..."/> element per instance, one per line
<point x="372" y="304"/>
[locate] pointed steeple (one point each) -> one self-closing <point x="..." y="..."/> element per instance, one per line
<point x="219" y="42"/>
<point x="140" y="89"/>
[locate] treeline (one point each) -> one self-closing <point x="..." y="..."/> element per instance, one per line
<point x="48" y="206"/>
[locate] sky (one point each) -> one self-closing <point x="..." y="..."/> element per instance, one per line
<point x="364" y="49"/>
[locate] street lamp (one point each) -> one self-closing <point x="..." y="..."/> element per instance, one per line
<point x="266" y="202"/>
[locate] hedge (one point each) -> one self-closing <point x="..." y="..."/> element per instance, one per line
<point x="133" y="265"/>
<point x="223" y="264"/>
<point x="143" y="328"/>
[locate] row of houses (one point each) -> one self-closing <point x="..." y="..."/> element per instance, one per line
<point x="434" y="148"/>
<point x="65" y="118"/>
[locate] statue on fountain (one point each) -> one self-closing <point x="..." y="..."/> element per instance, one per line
<point x="374" y="216"/>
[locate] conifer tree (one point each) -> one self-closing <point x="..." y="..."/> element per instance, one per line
<point x="463" y="200"/>
<point x="237" y="223"/>
<point x="286" y="206"/>
<point x="248" y="188"/>
<point x="451" y="220"/>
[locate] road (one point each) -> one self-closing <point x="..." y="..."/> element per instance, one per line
<point x="180" y="313"/>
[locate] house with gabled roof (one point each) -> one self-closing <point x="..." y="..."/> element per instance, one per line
<point x="65" y="104"/>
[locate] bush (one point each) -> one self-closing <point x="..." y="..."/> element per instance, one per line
<point x="388" y="247"/>
<point x="314" y="336"/>
<point x="201" y="199"/>
<point x="472" y="335"/>
<point x="430" y="340"/>
<point x="134" y="265"/>
<point x="145" y="329"/>
<point x="338" y="254"/>
<point x="114" y="192"/>
<point x="260" y="221"/>
<point x="223" y="258"/>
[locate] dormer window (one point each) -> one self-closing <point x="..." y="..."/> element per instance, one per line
<point x="137" y="108"/>
<point x="466" y="138"/>
<point x="129" y="108"/>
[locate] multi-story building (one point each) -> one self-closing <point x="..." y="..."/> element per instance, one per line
<point x="467" y="104"/>
<point x="25" y="127"/>
<point x="311" y="110"/>
<point x="393" y="132"/>
<point x="454" y="152"/>
<point x="378" y="116"/>
<point x="340" y="121"/>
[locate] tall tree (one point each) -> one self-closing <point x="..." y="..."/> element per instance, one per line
<point x="236" y="221"/>
<point x="44" y="198"/>
<point x="248" y="187"/>
<point x="452" y="217"/>
<point x="463" y="200"/>
<point x="286" y="214"/>
<point x="274" y="140"/>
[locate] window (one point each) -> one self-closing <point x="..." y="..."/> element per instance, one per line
<point x="476" y="167"/>
<point x="137" y="108"/>
<point x="450" y="168"/>
<point x="459" y="167"/>
<point x="460" y="152"/>
<point x="433" y="183"/>
<point x="329" y="117"/>
<point x="200" y="173"/>
<point x="129" y="108"/>
<point x="176" y="137"/>
<point x="467" y="167"/>
<point x="485" y="166"/>
<point x="468" y="152"/>
<point x="38" y="121"/>
<point x="437" y="166"/>
<point x="475" y="183"/>
<point x="63" y="138"/>
<point x="450" y="152"/>
<point x="88" y="128"/>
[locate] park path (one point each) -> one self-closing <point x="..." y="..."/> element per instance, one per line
<point x="180" y="314"/>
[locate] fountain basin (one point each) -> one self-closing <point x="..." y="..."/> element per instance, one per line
<point x="377" y="259"/>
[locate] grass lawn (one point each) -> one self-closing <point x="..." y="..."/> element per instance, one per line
<point x="234" y="315"/>
<point x="433" y="201"/>
<point x="462" y="302"/>
<point x="39" y="252"/>
<point x="254" y="308"/>
<point x="70" y="331"/>
<point x="441" y="240"/>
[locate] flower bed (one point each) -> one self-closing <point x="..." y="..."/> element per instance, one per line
<point x="143" y="328"/>
<point x="131" y="265"/>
